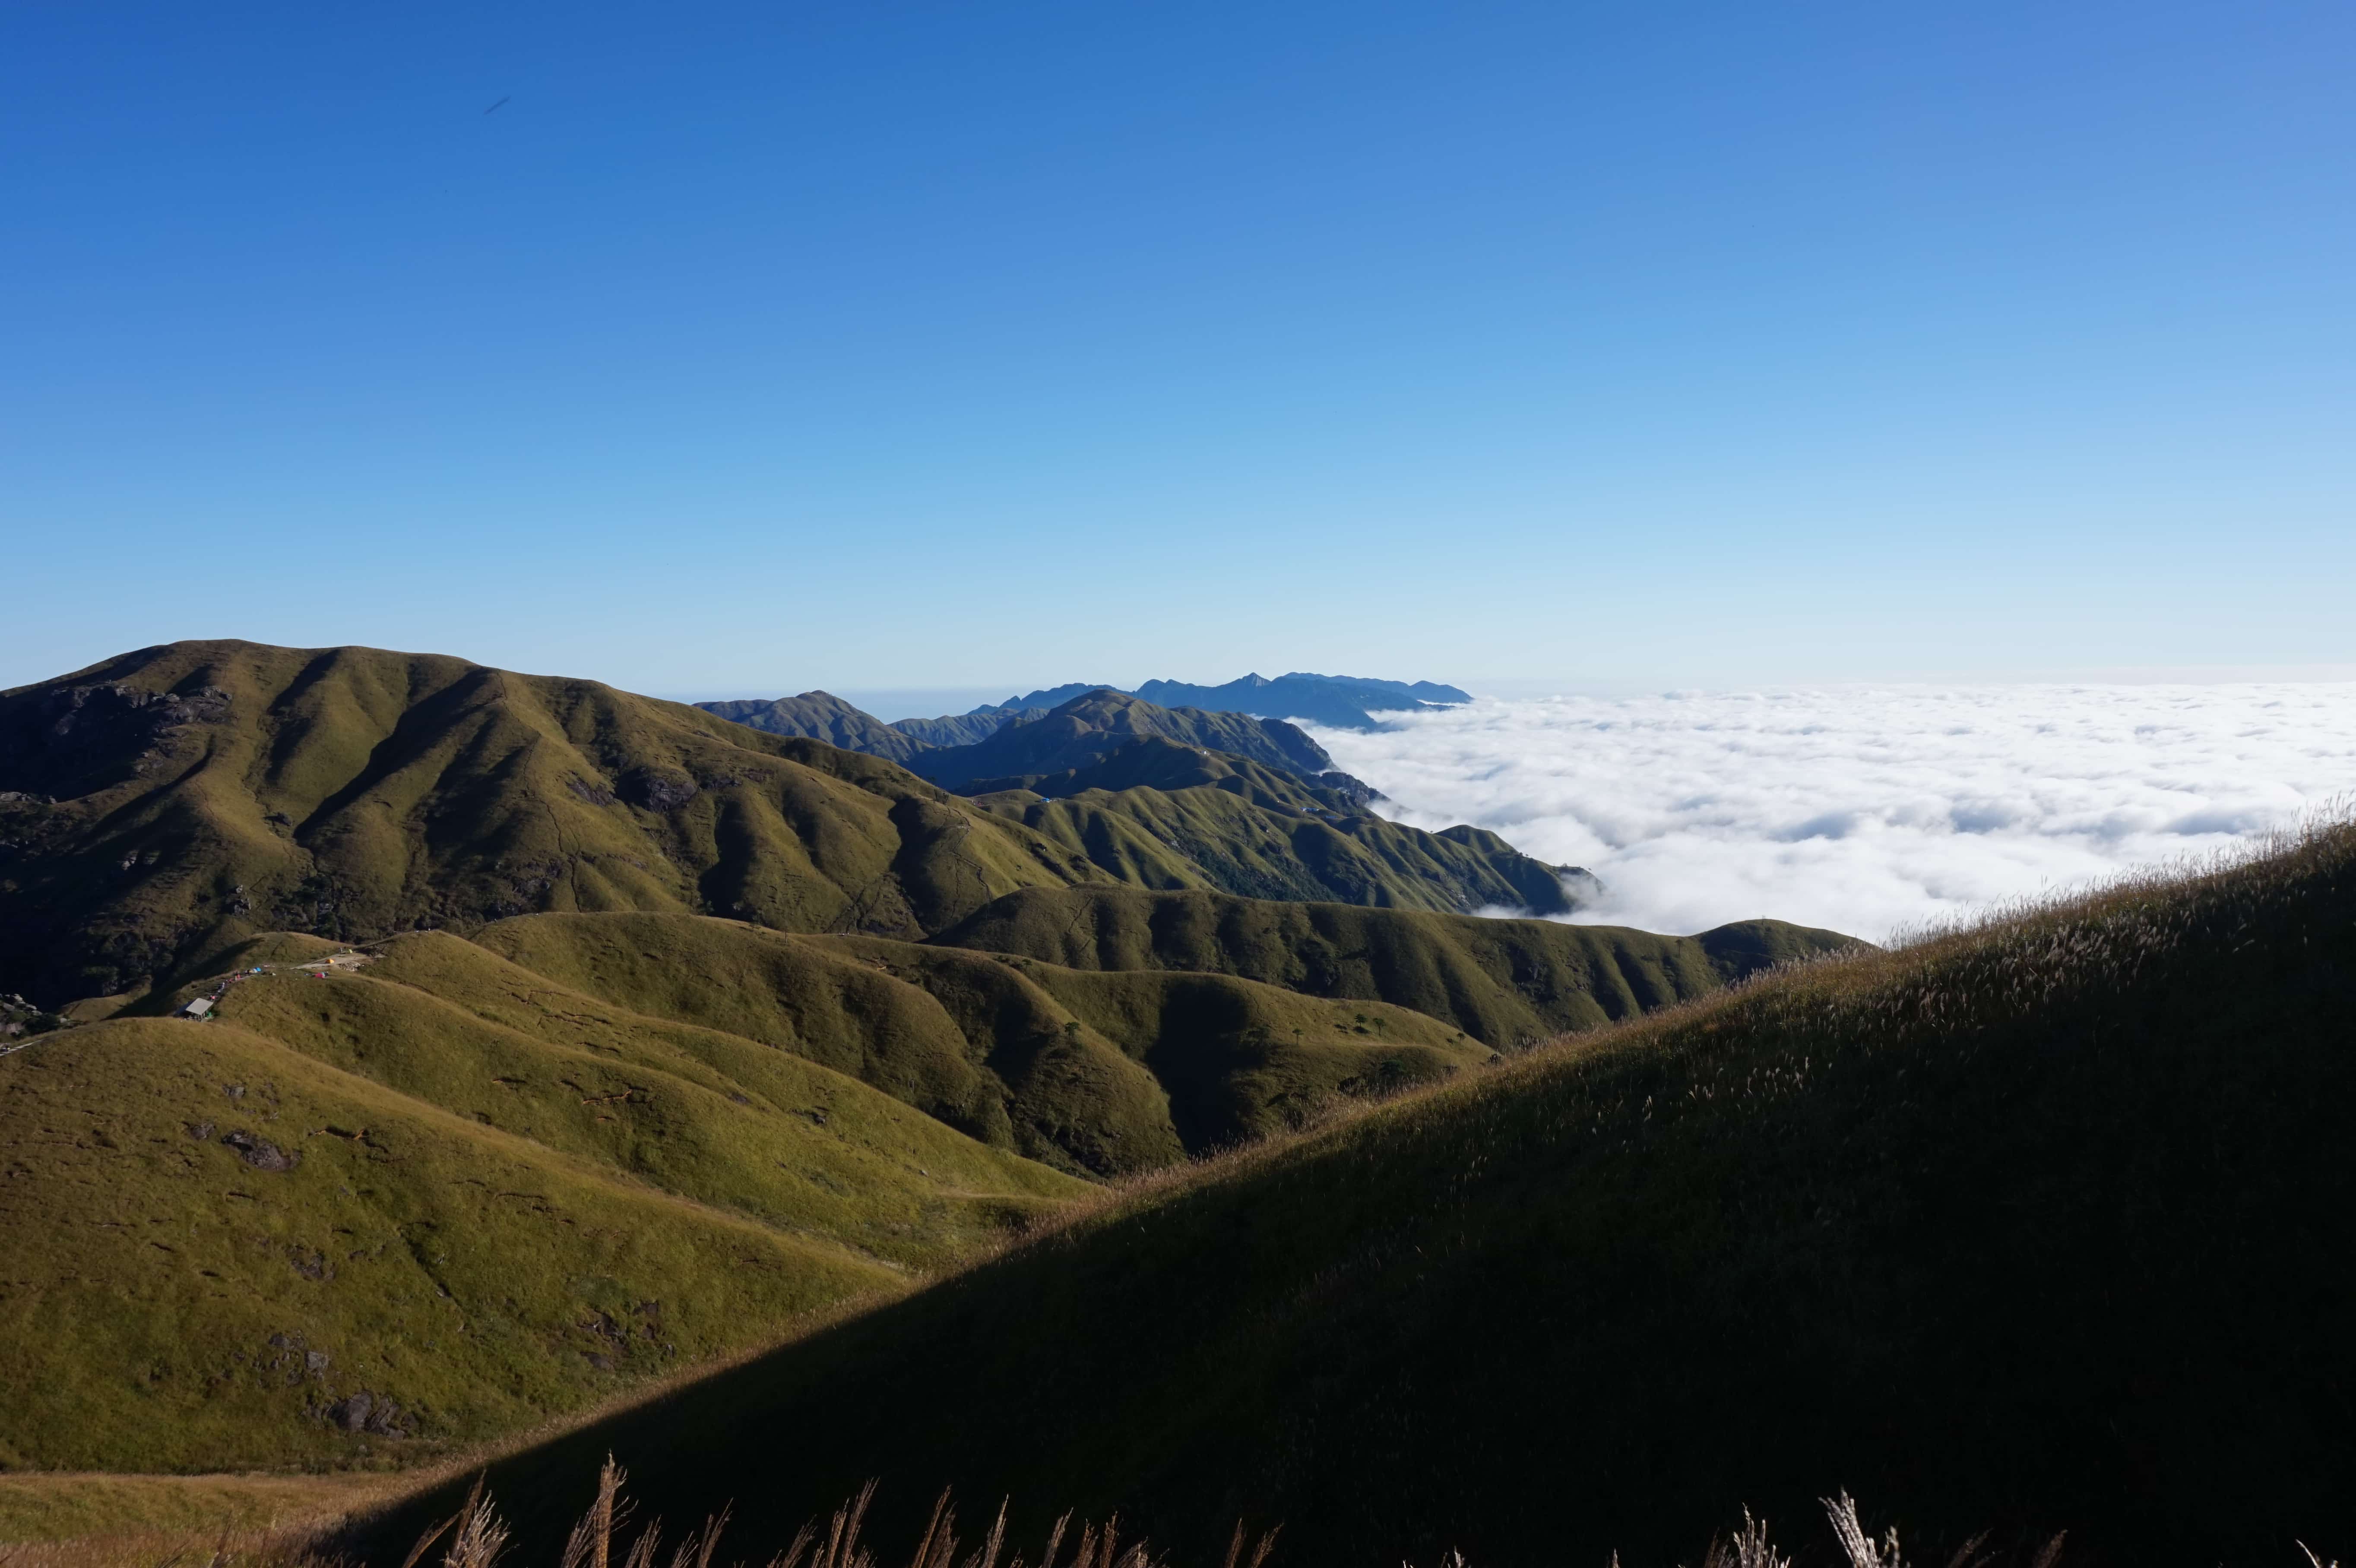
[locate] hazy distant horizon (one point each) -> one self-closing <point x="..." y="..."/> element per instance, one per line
<point x="894" y="702"/>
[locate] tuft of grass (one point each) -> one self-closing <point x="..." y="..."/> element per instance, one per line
<point x="610" y="1534"/>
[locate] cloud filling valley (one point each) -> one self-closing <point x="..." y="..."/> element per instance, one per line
<point x="1867" y="810"/>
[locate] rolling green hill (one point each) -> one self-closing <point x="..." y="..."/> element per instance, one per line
<point x="2033" y="1226"/>
<point x="349" y="1221"/>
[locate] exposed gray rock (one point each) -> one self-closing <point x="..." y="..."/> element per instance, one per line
<point x="259" y="1152"/>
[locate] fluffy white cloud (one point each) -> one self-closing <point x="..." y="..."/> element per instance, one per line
<point x="1869" y="810"/>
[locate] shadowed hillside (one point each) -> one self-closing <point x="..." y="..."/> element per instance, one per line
<point x="2034" y="1226"/>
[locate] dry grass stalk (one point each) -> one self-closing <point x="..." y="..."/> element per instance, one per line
<point x="480" y="1535"/>
<point x="1746" y="1548"/>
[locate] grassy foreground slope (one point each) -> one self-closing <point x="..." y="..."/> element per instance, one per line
<point x="2042" y="1225"/>
<point x="223" y="1253"/>
<point x="1506" y="983"/>
<point x="429" y="1201"/>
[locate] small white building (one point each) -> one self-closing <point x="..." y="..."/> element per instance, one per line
<point x="198" y="1009"/>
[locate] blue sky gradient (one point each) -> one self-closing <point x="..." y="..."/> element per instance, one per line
<point x="743" y="350"/>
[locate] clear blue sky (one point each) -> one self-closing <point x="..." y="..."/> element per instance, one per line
<point x="748" y="349"/>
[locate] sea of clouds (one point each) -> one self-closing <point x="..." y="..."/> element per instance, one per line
<point x="1872" y="811"/>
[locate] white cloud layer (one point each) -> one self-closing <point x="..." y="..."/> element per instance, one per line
<point x="1867" y="810"/>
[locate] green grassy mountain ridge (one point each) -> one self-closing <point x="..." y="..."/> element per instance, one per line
<point x="166" y="804"/>
<point x="2033" y="1226"/>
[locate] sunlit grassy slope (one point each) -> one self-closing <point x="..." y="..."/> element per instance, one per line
<point x="446" y="1182"/>
<point x="216" y="1244"/>
<point x="2042" y="1225"/>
